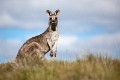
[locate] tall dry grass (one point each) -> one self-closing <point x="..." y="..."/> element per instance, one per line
<point x="89" y="68"/>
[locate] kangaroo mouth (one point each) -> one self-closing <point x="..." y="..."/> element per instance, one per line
<point x="54" y="23"/>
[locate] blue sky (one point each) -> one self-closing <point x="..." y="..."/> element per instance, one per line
<point x="84" y="26"/>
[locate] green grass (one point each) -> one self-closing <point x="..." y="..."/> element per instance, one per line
<point x="89" y="68"/>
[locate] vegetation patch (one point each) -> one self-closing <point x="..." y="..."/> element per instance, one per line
<point x="89" y="68"/>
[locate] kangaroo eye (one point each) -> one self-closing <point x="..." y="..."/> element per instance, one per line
<point x="50" y="18"/>
<point x="56" y="18"/>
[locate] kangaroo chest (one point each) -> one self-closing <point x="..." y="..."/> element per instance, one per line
<point x="54" y="37"/>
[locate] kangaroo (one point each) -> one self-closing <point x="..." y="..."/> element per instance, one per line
<point x="43" y="43"/>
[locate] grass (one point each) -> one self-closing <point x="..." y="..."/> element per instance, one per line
<point x="89" y="68"/>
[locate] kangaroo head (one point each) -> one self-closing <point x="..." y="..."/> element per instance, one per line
<point x="53" y="20"/>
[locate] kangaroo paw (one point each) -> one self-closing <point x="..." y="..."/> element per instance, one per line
<point x="51" y="54"/>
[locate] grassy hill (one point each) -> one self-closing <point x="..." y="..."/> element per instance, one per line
<point x="89" y="68"/>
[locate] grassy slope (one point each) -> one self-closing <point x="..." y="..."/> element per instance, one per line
<point x="89" y="68"/>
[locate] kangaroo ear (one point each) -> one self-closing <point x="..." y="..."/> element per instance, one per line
<point x="57" y="12"/>
<point x="48" y="12"/>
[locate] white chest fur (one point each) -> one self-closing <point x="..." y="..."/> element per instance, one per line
<point x="54" y="37"/>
